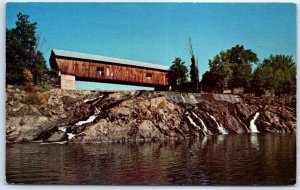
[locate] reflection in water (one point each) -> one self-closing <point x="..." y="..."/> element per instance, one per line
<point x="254" y="141"/>
<point x="204" y="141"/>
<point x="218" y="160"/>
<point x="220" y="139"/>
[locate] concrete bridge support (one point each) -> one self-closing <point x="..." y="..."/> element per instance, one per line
<point x="67" y="82"/>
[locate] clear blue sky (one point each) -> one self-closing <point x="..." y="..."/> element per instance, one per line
<point x="159" y="32"/>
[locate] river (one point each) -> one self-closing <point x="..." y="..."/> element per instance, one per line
<point x="241" y="159"/>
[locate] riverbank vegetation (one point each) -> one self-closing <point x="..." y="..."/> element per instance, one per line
<point x="233" y="69"/>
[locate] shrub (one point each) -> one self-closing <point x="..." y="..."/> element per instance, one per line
<point x="31" y="99"/>
<point x="28" y="80"/>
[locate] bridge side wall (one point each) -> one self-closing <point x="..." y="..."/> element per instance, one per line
<point x="99" y="71"/>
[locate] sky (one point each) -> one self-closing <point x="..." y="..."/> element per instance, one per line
<point x="159" y="32"/>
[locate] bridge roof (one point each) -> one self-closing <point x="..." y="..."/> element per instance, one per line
<point x="76" y="55"/>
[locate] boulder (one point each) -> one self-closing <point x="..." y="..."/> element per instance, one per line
<point x="57" y="136"/>
<point x="147" y="130"/>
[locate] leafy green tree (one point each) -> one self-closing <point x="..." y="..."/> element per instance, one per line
<point x="220" y="71"/>
<point x="208" y="82"/>
<point x="276" y="74"/>
<point x="21" y="53"/>
<point x="241" y="60"/>
<point x="232" y="68"/>
<point x="179" y="73"/>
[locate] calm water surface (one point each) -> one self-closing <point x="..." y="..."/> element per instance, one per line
<point x="244" y="159"/>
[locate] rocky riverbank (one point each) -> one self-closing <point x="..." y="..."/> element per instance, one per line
<point x="95" y="116"/>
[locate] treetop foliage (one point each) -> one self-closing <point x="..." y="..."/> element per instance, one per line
<point x="233" y="68"/>
<point x="194" y="72"/>
<point x="276" y="74"/>
<point x="179" y="73"/>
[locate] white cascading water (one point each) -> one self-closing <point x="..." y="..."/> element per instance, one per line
<point x="63" y="129"/>
<point x="88" y="100"/>
<point x="182" y="98"/>
<point x="202" y="123"/>
<point x="253" y="127"/>
<point x="192" y="122"/>
<point x="195" y="125"/>
<point x="192" y="99"/>
<point x="89" y="120"/>
<point x="70" y="135"/>
<point x="220" y="127"/>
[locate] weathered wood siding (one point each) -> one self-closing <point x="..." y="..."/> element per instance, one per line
<point x="112" y="72"/>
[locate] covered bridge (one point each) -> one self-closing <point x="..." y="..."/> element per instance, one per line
<point x="73" y="66"/>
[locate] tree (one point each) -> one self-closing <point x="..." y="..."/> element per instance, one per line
<point x="220" y="71"/>
<point x="240" y="61"/>
<point x="21" y="53"/>
<point x="194" y="72"/>
<point x="39" y="66"/>
<point x="178" y="72"/>
<point x="276" y="74"/>
<point x="208" y="82"/>
<point x="232" y="68"/>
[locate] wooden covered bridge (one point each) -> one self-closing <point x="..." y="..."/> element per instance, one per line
<point x="73" y="66"/>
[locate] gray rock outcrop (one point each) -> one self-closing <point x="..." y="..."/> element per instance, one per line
<point x="91" y="116"/>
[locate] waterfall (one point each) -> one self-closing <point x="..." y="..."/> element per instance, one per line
<point x="89" y="120"/>
<point x="63" y="129"/>
<point x="192" y="99"/>
<point x="195" y="125"/>
<point x="220" y="127"/>
<point x="70" y="135"/>
<point x="182" y="98"/>
<point x="88" y="100"/>
<point x="192" y="122"/>
<point x="253" y="127"/>
<point x="202" y="123"/>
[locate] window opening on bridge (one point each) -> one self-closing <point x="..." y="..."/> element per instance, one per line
<point x="107" y="71"/>
<point x="100" y="70"/>
<point x="149" y="76"/>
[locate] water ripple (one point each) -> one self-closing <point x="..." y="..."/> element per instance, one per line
<point x="243" y="159"/>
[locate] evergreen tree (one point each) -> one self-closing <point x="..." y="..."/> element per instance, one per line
<point x="21" y="53"/>
<point x="194" y="72"/>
